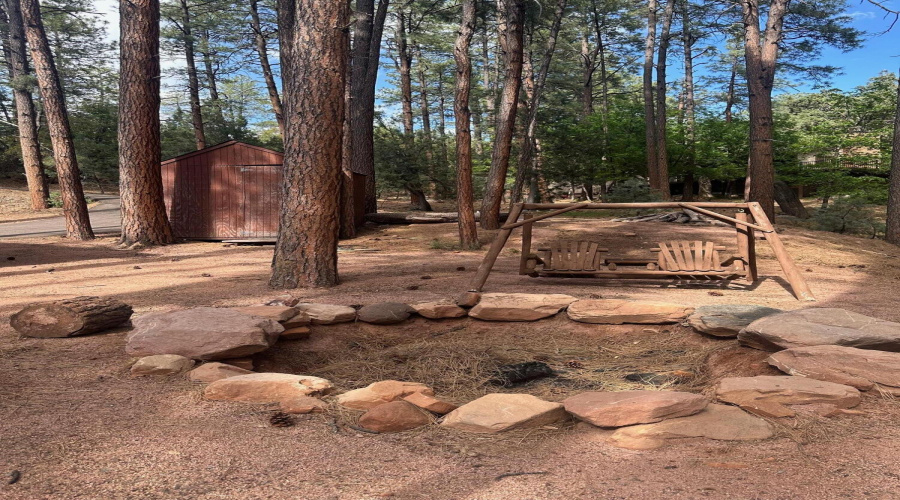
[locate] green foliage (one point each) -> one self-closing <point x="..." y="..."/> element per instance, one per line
<point x="632" y="191"/>
<point x="849" y="214"/>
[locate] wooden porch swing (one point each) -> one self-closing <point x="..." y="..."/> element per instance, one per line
<point x="694" y="260"/>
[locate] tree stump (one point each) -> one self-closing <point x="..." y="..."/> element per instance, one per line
<point x="70" y="317"/>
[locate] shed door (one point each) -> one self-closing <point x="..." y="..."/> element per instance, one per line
<point x="261" y="201"/>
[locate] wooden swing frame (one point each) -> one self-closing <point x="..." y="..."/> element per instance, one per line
<point x="749" y="219"/>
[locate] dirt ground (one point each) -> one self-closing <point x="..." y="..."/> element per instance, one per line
<point x="76" y="425"/>
<point x="15" y="205"/>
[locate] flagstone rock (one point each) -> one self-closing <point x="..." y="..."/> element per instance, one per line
<point x="519" y="306"/>
<point x="821" y="326"/>
<point x="502" y="412"/>
<point x="276" y="313"/>
<point x="769" y="396"/>
<point x="718" y="422"/>
<point x="430" y="403"/>
<point x="619" y="311"/>
<point x="727" y="320"/>
<point x="396" y="416"/>
<point x="618" y="409"/>
<point x="859" y="368"/>
<point x="297" y="320"/>
<point x="245" y="363"/>
<point x="385" y="313"/>
<point x="162" y="364"/>
<point x="439" y="310"/>
<point x="205" y="333"/>
<point x="210" y="372"/>
<point x="302" y="405"/>
<point x="266" y="387"/>
<point x="381" y="392"/>
<point x="327" y="314"/>
<point x="296" y="333"/>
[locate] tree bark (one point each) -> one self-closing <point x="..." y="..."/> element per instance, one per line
<point x="144" y="218"/>
<point x="892" y="231"/>
<point x="649" y="106"/>
<point x="423" y="94"/>
<point x="314" y="54"/>
<point x="511" y="41"/>
<point x="687" y="39"/>
<point x="262" y="51"/>
<point x="761" y="54"/>
<point x="404" y="58"/>
<point x="662" y="152"/>
<point x="788" y="201"/>
<point x="211" y="79"/>
<point x="70" y="317"/>
<point x="465" y="198"/>
<point x="527" y="153"/>
<point x="193" y="82"/>
<point x="729" y="98"/>
<point x="78" y="223"/>
<point x="26" y="117"/>
<point x="364" y="135"/>
<point x="417" y="199"/>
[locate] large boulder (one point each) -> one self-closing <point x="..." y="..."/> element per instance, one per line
<point x="385" y="313"/>
<point x="617" y="409"/>
<point x="769" y="396"/>
<point x="382" y="392"/>
<point x="396" y="416"/>
<point x="162" y="364"/>
<point x="439" y="310"/>
<point x="327" y="314"/>
<point x="266" y="387"/>
<point x="821" y="326"/>
<point x="205" y="333"/>
<point x="859" y="368"/>
<point x="728" y="319"/>
<point x="519" y="306"/>
<point x="503" y="412"/>
<point x="276" y="313"/>
<point x="619" y="311"/>
<point x="210" y="372"/>
<point x="719" y="422"/>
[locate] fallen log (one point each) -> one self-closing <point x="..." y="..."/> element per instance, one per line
<point x="70" y="317"/>
<point x="420" y="217"/>
<point x="685" y="216"/>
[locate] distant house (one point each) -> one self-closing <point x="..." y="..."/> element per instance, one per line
<point x="230" y="191"/>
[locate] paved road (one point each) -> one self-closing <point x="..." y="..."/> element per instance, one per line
<point x="105" y="218"/>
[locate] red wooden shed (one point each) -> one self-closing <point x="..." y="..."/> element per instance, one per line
<point x="231" y="191"/>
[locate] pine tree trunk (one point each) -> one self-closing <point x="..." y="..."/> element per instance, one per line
<point x="687" y="39"/>
<point x="587" y="77"/>
<point x="26" y="117"/>
<point x="511" y="38"/>
<point x="761" y="54"/>
<point x="490" y="98"/>
<point x="892" y="231"/>
<point x="144" y="218"/>
<point x="193" y="83"/>
<point x="405" y="65"/>
<point x="729" y="98"/>
<point x="78" y="223"/>
<point x="347" y="204"/>
<point x="364" y="145"/>
<point x="527" y="153"/>
<point x="465" y="198"/>
<point x="211" y="80"/>
<point x="662" y="152"/>
<point x="788" y="201"/>
<point x="649" y="106"/>
<point x="314" y="54"/>
<point x="262" y="51"/>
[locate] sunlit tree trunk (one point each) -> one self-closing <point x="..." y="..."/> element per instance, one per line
<point x="15" y="51"/>
<point x="78" y="223"/>
<point x="262" y="51"/>
<point x="193" y="82"/>
<point x="314" y="55"/>
<point x="649" y="106"/>
<point x="687" y="40"/>
<point x="468" y="233"/>
<point x="892" y="232"/>
<point x="511" y="13"/>
<point x="761" y="54"/>
<point x="140" y="184"/>
<point x="662" y="152"/>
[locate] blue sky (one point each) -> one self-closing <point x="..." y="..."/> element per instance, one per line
<point x="878" y="53"/>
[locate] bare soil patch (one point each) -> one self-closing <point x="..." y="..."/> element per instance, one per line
<point x="76" y="425"/>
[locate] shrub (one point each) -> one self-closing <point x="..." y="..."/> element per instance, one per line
<point x="849" y="215"/>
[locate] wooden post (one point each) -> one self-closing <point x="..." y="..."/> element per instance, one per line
<point x="746" y="242"/>
<point x="793" y="275"/>
<point x="526" y="245"/>
<point x="484" y="270"/>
